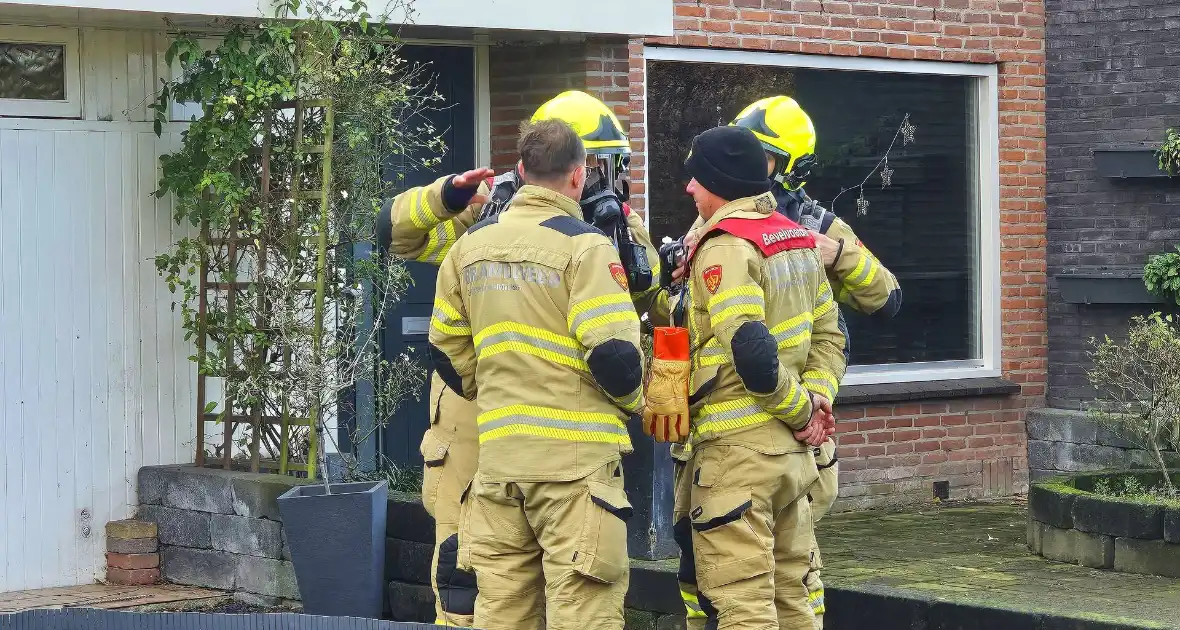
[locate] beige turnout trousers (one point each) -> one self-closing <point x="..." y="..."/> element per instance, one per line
<point x="751" y="535"/>
<point x="450" y="450"/>
<point x="549" y="554"/>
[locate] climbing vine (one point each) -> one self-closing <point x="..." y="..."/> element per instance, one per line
<point x="287" y="319"/>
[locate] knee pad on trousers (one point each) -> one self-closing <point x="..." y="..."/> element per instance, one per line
<point x="456" y="588"/>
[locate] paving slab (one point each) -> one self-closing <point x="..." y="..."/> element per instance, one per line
<point x="977" y="557"/>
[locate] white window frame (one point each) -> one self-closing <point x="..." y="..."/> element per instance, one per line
<point x="986" y="98"/>
<point x="68" y="38"/>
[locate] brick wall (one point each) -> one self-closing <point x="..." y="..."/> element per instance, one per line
<point x="894" y="453"/>
<point x="524" y="76"/>
<point x="1113" y="80"/>
<point x="902" y="449"/>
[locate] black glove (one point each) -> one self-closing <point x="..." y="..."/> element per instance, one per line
<point x="457" y="199"/>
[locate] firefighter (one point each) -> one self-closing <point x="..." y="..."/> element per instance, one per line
<point x="861" y="282"/>
<point x="419" y="226"/>
<point x="764" y="322"/>
<point x="533" y="320"/>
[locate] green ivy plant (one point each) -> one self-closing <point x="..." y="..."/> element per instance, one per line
<point x="1161" y="276"/>
<point x="248" y="168"/>
<point x="1169" y="153"/>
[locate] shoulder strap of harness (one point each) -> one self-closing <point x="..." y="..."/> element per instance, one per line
<point x="503" y="189"/>
<point x="771" y="234"/>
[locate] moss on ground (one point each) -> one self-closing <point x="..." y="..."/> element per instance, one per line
<point x="978" y="555"/>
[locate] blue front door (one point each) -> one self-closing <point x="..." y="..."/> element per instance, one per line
<point x="453" y="70"/>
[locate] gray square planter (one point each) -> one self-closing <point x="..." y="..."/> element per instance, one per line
<point x="337" y="544"/>
<point x="1125" y="162"/>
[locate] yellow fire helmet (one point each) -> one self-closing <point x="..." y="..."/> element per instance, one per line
<point x="591" y="119"/>
<point x="786" y="131"/>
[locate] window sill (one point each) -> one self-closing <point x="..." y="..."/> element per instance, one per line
<point x="926" y="390"/>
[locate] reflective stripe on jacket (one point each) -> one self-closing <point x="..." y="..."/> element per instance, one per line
<point x="533" y="320"/>
<point x="772" y="279"/>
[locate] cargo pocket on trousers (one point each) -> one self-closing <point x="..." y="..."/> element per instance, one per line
<point x="601" y="554"/>
<point x="727" y="548"/>
<point x="434" y="454"/>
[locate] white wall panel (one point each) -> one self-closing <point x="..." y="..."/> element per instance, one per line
<point x="94" y="379"/>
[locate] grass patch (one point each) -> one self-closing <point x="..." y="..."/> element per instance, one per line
<point x="1130" y="488"/>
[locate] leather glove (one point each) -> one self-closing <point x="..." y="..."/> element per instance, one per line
<point x="665" y="413"/>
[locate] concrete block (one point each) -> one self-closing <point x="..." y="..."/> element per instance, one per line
<point x="1116" y="518"/>
<point x="255" y="496"/>
<point x="1172" y="525"/>
<point x="265" y="576"/>
<point x="406" y="519"/>
<point x="1058" y="544"/>
<point x="199" y="567"/>
<point x="1033" y="536"/>
<point x="1037" y="475"/>
<point x="411" y="602"/>
<point x="131" y="529"/>
<point x="407" y="561"/>
<point x="653" y="587"/>
<point x="1151" y="557"/>
<point x="152" y="483"/>
<point x="246" y="536"/>
<point x="1112" y="437"/>
<point x="638" y="619"/>
<point x="1051" y="507"/>
<point x="1040" y="455"/>
<point x="132" y="577"/>
<point x="188" y="488"/>
<point x="1084" y="457"/>
<point x="286" y="553"/>
<point x="133" y="545"/>
<point x="671" y="622"/>
<point x="1094" y="550"/>
<point x="1061" y="425"/>
<point x="1138" y="458"/>
<point x="180" y="528"/>
<point x="133" y="561"/>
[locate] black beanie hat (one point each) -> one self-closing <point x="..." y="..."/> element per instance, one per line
<point x="729" y="162"/>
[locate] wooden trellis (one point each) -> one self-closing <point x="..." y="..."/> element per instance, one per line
<point x="229" y="287"/>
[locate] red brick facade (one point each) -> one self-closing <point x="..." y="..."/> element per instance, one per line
<point x="888" y="453"/>
<point x="525" y="76"/>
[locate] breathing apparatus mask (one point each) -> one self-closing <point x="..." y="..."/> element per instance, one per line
<point x="800" y="170"/>
<point x="602" y="201"/>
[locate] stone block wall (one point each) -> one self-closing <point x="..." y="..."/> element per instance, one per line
<point x="1064" y="441"/>
<point x="220" y="529"/>
<point x="1068" y="524"/>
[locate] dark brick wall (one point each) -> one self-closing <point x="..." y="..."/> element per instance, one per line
<point x="1113" y="80"/>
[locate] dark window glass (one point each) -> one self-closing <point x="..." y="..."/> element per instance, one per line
<point x="922" y="226"/>
<point x="32" y="71"/>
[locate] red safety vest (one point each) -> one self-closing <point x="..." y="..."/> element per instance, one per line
<point x="771" y="234"/>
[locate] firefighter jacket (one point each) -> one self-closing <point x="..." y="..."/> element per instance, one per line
<point x="763" y="323"/>
<point x="416" y="225"/>
<point x="533" y="320"/>
<point x="860" y="281"/>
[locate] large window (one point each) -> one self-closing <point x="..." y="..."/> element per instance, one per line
<point x="39" y="72"/>
<point x="935" y="224"/>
